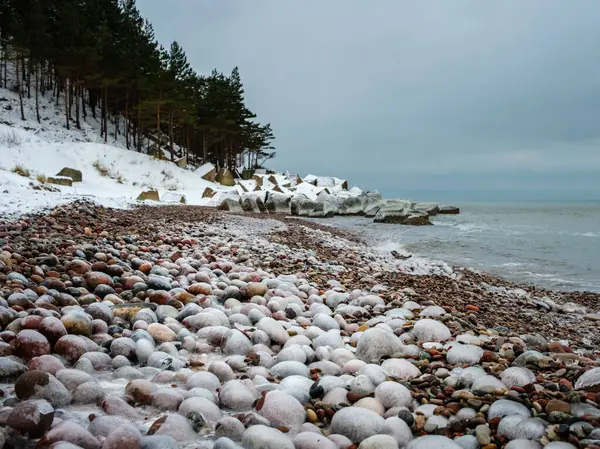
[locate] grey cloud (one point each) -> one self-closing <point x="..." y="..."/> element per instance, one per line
<point x="392" y="92"/>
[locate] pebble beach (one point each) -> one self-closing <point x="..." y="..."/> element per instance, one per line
<point x="187" y="327"/>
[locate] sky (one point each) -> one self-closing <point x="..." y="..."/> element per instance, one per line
<point x="428" y="100"/>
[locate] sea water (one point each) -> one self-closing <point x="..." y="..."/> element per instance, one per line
<point x="551" y="245"/>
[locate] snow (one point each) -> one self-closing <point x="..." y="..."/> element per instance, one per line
<point x="127" y="174"/>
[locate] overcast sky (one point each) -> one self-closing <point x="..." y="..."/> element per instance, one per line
<point x="413" y="98"/>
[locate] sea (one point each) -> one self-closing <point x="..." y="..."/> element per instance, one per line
<point x="548" y="244"/>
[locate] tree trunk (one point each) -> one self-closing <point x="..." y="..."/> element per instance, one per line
<point x="20" y="87"/>
<point x="4" y="64"/>
<point x="37" y="99"/>
<point x="23" y="70"/>
<point x="67" y="102"/>
<point x="77" y="89"/>
<point x="172" y="149"/>
<point x="126" y="124"/>
<point x="30" y="69"/>
<point x="105" y="113"/>
<point x="70" y="88"/>
<point x="58" y="84"/>
<point x="138" y="133"/>
<point x="83" y="111"/>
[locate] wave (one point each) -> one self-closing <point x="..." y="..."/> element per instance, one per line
<point x="587" y="234"/>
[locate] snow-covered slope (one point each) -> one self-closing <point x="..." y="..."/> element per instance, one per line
<point x="112" y="175"/>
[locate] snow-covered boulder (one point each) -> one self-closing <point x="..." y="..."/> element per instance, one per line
<point x="430" y="209"/>
<point x="301" y="205"/>
<point x="278" y="203"/>
<point x="253" y="204"/>
<point x="207" y="172"/>
<point x="400" y="212"/>
<point x="173" y="197"/>
<point x="372" y="202"/>
<point x="149" y="195"/>
<point x="323" y="210"/>
<point x="72" y="173"/>
<point x="350" y="205"/>
<point x="225" y="177"/>
<point x="231" y="202"/>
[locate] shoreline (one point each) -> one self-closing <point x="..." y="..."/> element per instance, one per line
<point x="265" y="329"/>
<point x="475" y="286"/>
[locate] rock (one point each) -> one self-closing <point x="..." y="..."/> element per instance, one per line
<point x="235" y="396"/>
<point x="40" y="385"/>
<point x="161" y="333"/>
<point x="207" y="171"/>
<point x="10" y="370"/>
<point x="47" y="363"/>
<point x="231" y="204"/>
<point x="400" y="369"/>
<point x="278" y="203"/>
<point x="449" y="210"/>
<point x="207" y="409"/>
<point x="75" y="175"/>
<point x="77" y="323"/>
<point x="274" y="330"/>
<point x="504" y="407"/>
<point x="224" y="177"/>
<point x="114" y="405"/>
<point x="376" y="343"/>
<point x="72" y="378"/>
<point x="229" y="427"/>
<point x="70" y="432"/>
<point x="256" y="289"/>
<point x="590" y="380"/>
<point x="60" y="180"/>
<point x="357" y="423"/>
<point x="173" y="426"/>
<point x="464" y="354"/>
<point x="96" y="278"/>
<point x="555" y="405"/>
<point x="399" y="429"/>
<point x="290" y="368"/>
<point x="235" y="342"/>
<point x="159" y="442"/>
<point x="148" y="195"/>
<point x="141" y="391"/>
<point x="393" y="394"/>
<point x="203" y="379"/>
<point x="430" y="209"/>
<point x="71" y="347"/>
<point x="263" y="437"/>
<point x="483" y="433"/>
<point x="379" y="442"/>
<point x="33" y="418"/>
<point x="312" y="440"/>
<point x="428" y="330"/>
<point x="88" y="393"/>
<point x="517" y="376"/>
<point x="281" y="409"/>
<point x="29" y="344"/>
<point x="124" y="436"/>
<point x="52" y="328"/>
<point x="173" y="197"/>
<point x="432" y="441"/>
